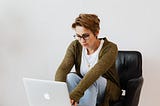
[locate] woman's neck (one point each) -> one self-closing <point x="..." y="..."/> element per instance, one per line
<point x="94" y="47"/>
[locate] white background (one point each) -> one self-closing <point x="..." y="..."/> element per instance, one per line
<point x="34" y="35"/>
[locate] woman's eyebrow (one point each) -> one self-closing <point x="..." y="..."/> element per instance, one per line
<point x="78" y="34"/>
<point x="82" y="34"/>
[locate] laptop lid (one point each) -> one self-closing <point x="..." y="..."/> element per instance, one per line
<point x="46" y="93"/>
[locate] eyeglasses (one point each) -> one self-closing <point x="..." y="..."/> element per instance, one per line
<point x="85" y="36"/>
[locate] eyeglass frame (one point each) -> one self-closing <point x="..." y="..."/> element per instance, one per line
<point x="85" y="36"/>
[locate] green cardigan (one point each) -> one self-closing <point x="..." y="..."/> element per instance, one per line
<point x="104" y="67"/>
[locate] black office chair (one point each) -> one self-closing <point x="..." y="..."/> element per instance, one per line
<point x="129" y="66"/>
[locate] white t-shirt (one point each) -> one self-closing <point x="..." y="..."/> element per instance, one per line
<point x="88" y="61"/>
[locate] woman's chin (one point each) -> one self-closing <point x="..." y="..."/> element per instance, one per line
<point x="85" y="45"/>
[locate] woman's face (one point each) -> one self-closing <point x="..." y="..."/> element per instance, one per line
<point x="85" y="37"/>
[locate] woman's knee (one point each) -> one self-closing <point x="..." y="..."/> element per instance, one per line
<point x="72" y="77"/>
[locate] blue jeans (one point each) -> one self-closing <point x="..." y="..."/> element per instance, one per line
<point x="93" y="95"/>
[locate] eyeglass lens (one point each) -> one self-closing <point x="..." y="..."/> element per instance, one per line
<point x="84" y="36"/>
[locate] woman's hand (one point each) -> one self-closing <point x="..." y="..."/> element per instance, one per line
<point x="73" y="103"/>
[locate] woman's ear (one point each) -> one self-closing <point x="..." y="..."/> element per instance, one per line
<point x="96" y="34"/>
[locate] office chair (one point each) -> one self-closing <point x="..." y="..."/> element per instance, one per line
<point x="129" y="67"/>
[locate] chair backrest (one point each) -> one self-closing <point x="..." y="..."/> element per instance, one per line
<point x="129" y="66"/>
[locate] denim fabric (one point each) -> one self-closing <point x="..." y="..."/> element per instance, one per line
<point x="93" y="95"/>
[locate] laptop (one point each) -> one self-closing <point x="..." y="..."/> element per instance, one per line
<point x="46" y="93"/>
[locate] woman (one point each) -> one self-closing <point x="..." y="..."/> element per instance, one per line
<point x="95" y="81"/>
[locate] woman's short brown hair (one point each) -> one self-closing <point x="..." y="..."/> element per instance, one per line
<point x="88" y="21"/>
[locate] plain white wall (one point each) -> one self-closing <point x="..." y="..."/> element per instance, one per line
<point x="34" y="35"/>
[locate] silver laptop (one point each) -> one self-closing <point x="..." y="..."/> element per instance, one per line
<point x="46" y="93"/>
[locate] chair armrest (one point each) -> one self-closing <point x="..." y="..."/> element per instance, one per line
<point x="133" y="91"/>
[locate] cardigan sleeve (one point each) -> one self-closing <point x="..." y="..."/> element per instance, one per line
<point x="66" y="64"/>
<point x="109" y="54"/>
